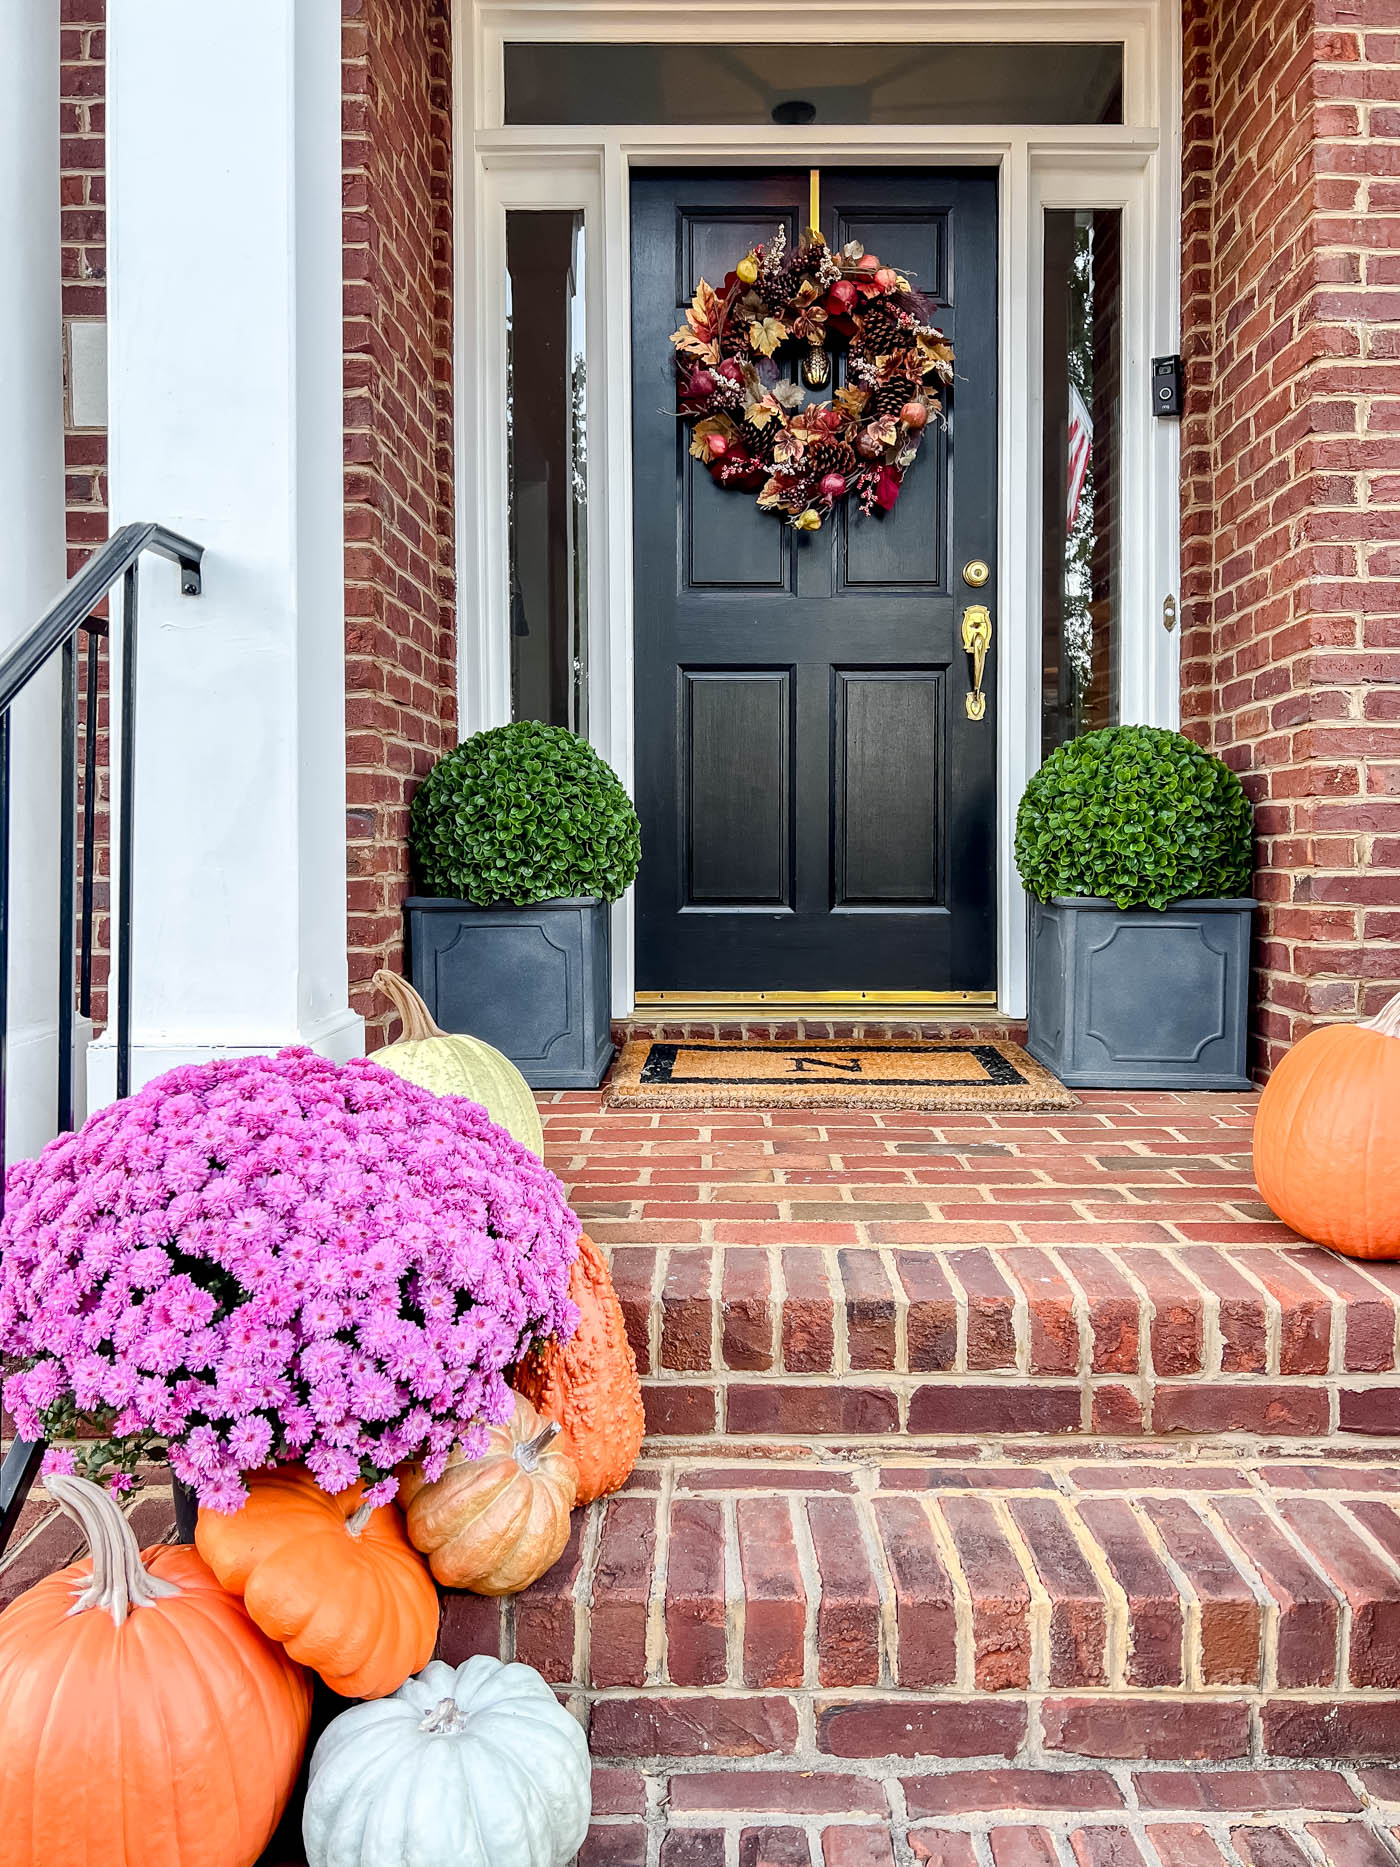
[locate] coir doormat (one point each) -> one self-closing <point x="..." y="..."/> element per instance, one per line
<point x="970" y="1075"/>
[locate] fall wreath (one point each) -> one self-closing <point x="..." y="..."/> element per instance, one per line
<point x="750" y="426"/>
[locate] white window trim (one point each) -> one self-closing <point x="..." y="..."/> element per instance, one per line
<point x="1134" y="166"/>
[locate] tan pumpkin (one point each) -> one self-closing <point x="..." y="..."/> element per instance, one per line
<point x="589" y="1383"/>
<point x="495" y="1524"/>
<point x="1327" y="1136"/>
<point x="425" y="1054"/>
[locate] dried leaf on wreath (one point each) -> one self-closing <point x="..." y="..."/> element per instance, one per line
<point x="852" y="398"/>
<point x="701" y="433"/>
<point x="702" y="321"/>
<point x="935" y="354"/>
<point x="771" y="495"/>
<point x="788" y="395"/>
<point x="853" y="250"/>
<point x="806" y="294"/>
<point x="767" y="335"/>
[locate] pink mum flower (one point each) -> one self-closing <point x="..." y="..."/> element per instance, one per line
<point x="274" y="1258"/>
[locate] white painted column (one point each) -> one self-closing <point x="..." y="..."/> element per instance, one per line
<point x="225" y="399"/>
<point x="31" y="513"/>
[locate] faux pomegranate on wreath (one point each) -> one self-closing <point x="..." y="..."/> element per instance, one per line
<point x="749" y="423"/>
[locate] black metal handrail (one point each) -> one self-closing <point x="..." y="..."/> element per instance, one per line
<point x="57" y="632"/>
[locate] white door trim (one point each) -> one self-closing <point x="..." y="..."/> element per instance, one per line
<point x="1134" y="166"/>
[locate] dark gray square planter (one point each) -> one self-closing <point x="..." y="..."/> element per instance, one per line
<point x="1140" y="998"/>
<point x="533" y="981"/>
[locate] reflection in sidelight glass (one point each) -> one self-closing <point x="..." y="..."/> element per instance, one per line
<point x="547" y="467"/>
<point x="1081" y="473"/>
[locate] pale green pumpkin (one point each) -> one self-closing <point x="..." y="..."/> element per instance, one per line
<point x="457" y="1066"/>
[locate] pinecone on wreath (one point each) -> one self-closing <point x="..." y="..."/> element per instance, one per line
<point x="833" y="456"/>
<point x="889" y="398"/>
<point x="881" y="331"/>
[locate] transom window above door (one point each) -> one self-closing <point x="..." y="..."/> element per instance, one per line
<point x="818" y="84"/>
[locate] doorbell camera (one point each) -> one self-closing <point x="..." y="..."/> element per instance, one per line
<point x="1166" y="385"/>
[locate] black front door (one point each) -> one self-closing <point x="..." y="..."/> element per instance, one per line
<point x="817" y="805"/>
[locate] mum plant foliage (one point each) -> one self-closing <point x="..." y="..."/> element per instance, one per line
<point x="1136" y="815"/>
<point x="523" y="813"/>
<point x="278" y="1258"/>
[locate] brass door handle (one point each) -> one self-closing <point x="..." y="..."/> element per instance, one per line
<point x="977" y="639"/>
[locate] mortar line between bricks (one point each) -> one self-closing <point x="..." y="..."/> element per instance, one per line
<point x="1038" y="1616"/>
<point x="1212" y="1335"/>
<point x="1118" y="1611"/>
<point x="886" y="1622"/>
<point x="1273" y="1309"/>
<point x="657" y="1658"/>
<point x="1349" y="1517"/>
<point x="808" y="1570"/>
<point x="735" y="1619"/>
<point x="777" y="1301"/>
<point x="590" y="1544"/>
<point x="888" y="1264"/>
<point x="1192" y="1656"/>
<point x="963" y="1616"/>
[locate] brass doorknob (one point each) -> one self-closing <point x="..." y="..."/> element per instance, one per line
<point x="977" y="639"/>
<point x="975" y="573"/>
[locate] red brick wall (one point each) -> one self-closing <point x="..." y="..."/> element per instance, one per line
<point x="1291" y="480"/>
<point x="83" y="194"/>
<point x="401" y="675"/>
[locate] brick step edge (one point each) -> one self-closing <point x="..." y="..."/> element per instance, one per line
<point x="1073" y="1311"/>
<point x="1089" y="1817"/>
<point x="1239" y="1585"/>
<point x="1022" y="1818"/>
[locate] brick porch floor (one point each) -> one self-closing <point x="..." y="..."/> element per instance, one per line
<point x="1018" y="1493"/>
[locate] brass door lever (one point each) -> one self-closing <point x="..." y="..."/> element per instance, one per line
<point x="977" y="639"/>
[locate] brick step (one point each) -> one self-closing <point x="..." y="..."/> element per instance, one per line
<point x="1113" y="1338"/>
<point x="1076" y="1816"/>
<point x="1149" y="1610"/>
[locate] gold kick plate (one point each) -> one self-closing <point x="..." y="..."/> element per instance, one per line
<point x="977" y="639"/>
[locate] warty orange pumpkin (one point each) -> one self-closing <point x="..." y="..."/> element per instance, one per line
<point x="336" y="1582"/>
<point x="1327" y="1136"/>
<point x="589" y="1383"/>
<point x="495" y="1524"/>
<point x="144" y="1719"/>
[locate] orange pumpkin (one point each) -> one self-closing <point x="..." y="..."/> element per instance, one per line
<point x="144" y="1720"/>
<point x="495" y="1524"/>
<point x="589" y="1383"/>
<point x="1327" y="1136"/>
<point x="339" y="1584"/>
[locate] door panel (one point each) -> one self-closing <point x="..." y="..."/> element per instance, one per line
<point x="738" y="756"/>
<point x="817" y="809"/>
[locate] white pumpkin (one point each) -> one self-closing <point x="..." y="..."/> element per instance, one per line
<point x="473" y="1766"/>
<point x="450" y="1065"/>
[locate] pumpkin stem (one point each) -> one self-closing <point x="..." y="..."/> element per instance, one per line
<point x="1386" y="1020"/>
<point x="446" y="1719"/>
<point x="119" y="1582"/>
<point x="417" y="1020"/>
<point x="357" y="1519"/>
<point x="527" y="1453"/>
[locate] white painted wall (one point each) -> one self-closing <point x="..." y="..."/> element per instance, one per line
<point x="31" y="501"/>
<point x="224" y="177"/>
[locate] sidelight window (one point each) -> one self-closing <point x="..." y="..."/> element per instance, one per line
<point x="1082" y="475"/>
<point x="547" y="461"/>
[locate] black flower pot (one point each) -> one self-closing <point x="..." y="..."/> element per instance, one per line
<point x="186" y="1510"/>
<point x="1141" y="998"/>
<point x="534" y="981"/>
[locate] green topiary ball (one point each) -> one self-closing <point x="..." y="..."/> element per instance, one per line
<point x="1136" y="815"/>
<point x="523" y="813"/>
